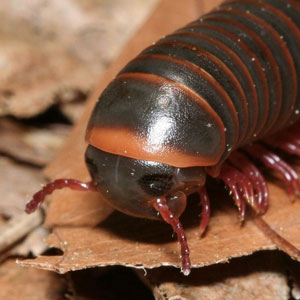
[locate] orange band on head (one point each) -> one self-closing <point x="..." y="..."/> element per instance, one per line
<point x="124" y="142"/>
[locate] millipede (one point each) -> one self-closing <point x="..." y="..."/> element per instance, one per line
<point x="217" y="98"/>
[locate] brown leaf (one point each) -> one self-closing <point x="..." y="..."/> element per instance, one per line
<point x="28" y="283"/>
<point x="34" y="243"/>
<point x="89" y="236"/>
<point x="29" y="144"/>
<point x="261" y="276"/>
<point x="18" y="227"/>
<point x="53" y="53"/>
<point x="73" y="110"/>
<point x="17" y="183"/>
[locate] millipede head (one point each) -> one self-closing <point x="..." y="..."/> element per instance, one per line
<point x="130" y="185"/>
<point x="146" y="189"/>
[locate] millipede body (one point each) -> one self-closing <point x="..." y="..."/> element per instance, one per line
<point x="210" y="99"/>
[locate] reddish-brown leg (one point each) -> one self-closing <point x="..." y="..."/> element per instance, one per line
<point x="57" y="184"/>
<point x="274" y="162"/>
<point x="205" y="213"/>
<point x="245" y="186"/>
<point x="287" y="140"/>
<point x="241" y="162"/>
<point x="160" y="204"/>
<point x="287" y="143"/>
<point x="229" y="175"/>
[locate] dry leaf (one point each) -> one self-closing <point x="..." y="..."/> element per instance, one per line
<point x="53" y="51"/>
<point x="90" y="236"/>
<point x="18" y="227"/>
<point x="259" y="277"/>
<point x="29" y="284"/>
<point x="29" y="144"/>
<point x="17" y="183"/>
<point x="34" y="243"/>
<point x="73" y="110"/>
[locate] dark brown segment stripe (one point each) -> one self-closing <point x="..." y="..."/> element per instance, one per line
<point x="249" y="60"/>
<point x="280" y="52"/>
<point x="288" y="32"/>
<point x="232" y="61"/>
<point x="259" y="50"/>
<point x="292" y="10"/>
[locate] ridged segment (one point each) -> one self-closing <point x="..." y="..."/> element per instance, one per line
<point x="292" y="10"/>
<point x="281" y="54"/>
<point x="259" y="51"/>
<point x="288" y="32"/>
<point x="248" y="58"/>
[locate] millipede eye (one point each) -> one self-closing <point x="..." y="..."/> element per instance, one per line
<point x="156" y="184"/>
